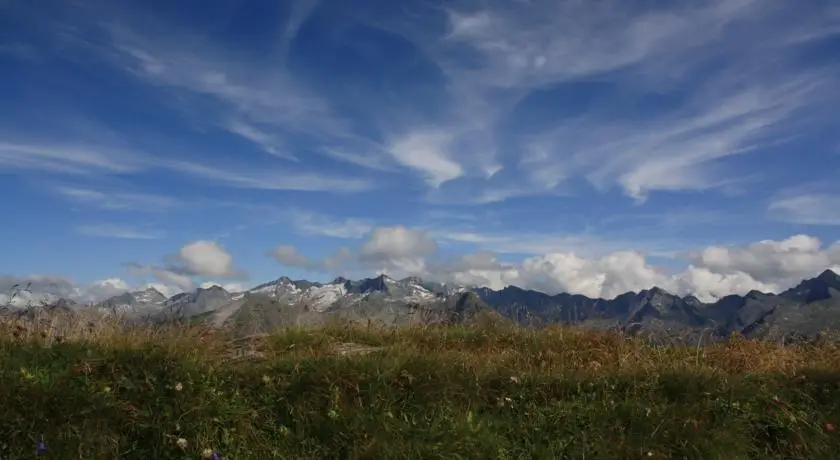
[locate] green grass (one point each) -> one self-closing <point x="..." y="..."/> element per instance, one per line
<point x="445" y="392"/>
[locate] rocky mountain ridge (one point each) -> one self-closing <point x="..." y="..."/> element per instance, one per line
<point x="805" y="309"/>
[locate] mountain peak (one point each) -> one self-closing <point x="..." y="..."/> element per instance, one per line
<point x="656" y="290"/>
<point x="829" y="277"/>
<point x="822" y="287"/>
<point x="148" y="295"/>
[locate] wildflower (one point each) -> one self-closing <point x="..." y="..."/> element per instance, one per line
<point x="178" y="386"/>
<point x="182" y="443"/>
<point x="828" y="426"/>
<point x="514" y="379"/>
<point x="42" y="447"/>
<point x="211" y="454"/>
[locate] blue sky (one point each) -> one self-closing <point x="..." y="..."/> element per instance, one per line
<point x="562" y="145"/>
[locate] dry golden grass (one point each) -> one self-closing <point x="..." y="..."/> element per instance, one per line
<point x="554" y="350"/>
<point x="359" y="391"/>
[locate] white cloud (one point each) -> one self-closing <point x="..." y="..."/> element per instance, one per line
<point x="119" y="231"/>
<point x="91" y="160"/>
<point x="808" y="208"/>
<point x="493" y="56"/>
<point x="176" y="278"/>
<point x="46" y="286"/>
<point x="230" y="287"/>
<point x="768" y="266"/>
<point x="708" y="285"/>
<point x="291" y="257"/>
<point x="397" y="250"/>
<point x="532" y="243"/>
<point x="397" y="242"/>
<point x="207" y="258"/>
<point x="427" y="153"/>
<point x="713" y="272"/>
<point x="118" y="201"/>
<point x="167" y="290"/>
<point x="776" y="262"/>
<point x="316" y="224"/>
<point x="66" y="159"/>
<point x="268" y="179"/>
<point x="102" y="289"/>
<point x="299" y="12"/>
<point x="496" y="54"/>
<point x="265" y="141"/>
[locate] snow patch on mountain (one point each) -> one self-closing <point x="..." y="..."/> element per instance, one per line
<point x="324" y="296"/>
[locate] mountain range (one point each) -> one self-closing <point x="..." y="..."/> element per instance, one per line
<point x="802" y="312"/>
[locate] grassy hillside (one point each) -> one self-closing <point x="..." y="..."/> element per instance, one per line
<point x="99" y="391"/>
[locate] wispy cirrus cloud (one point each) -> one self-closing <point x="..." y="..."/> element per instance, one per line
<point x="119" y="231"/>
<point x="664" y="129"/>
<point x="311" y="223"/>
<point x="276" y="179"/>
<point x="92" y="160"/>
<point x="678" y="128"/>
<point x="66" y="158"/>
<point x="814" y="208"/>
<point x="118" y="201"/>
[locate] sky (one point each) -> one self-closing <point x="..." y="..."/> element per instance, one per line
<point x="590" y="147"/>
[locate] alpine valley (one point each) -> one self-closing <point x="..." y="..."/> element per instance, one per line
<point x="800" y="313"/>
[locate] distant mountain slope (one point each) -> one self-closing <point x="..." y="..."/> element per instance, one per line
<point x="801" y="311"/>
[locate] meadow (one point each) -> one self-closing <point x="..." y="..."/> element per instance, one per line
<point x="98" y="389"/>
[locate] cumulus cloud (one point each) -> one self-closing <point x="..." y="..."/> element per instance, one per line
<point x="37" y="284"/>
<point x="768" y="266"/>
<point x="230" y="287"/>
<point x="290" y="256"/>
<point x="34" y="289"/>
<point x="198" y="259"/>
<point x="768" y="261"/>
<point x="207" y="258"/>
<point x="174" y="277"/>
<point x="397" y="242"/>
<point x="397" y="249"/>
<point x="710" y="273"/>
